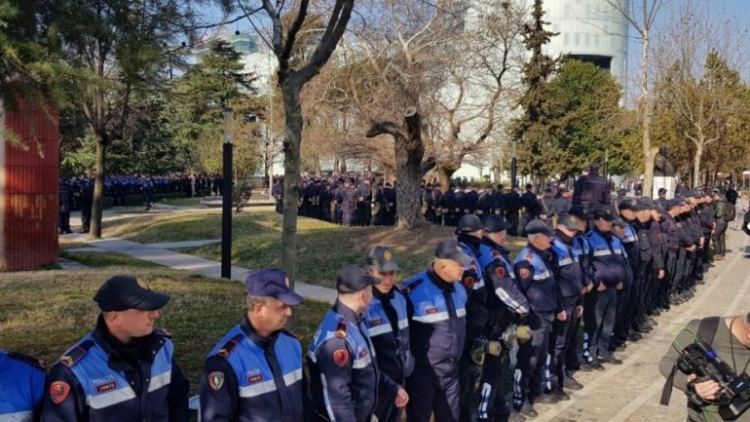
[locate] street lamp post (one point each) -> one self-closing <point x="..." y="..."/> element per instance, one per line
<point x="514" y="165"/>
<point x="226" y="197"/>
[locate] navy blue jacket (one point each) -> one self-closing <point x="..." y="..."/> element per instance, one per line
<point x="438" y="326"/>
<point x="502" y="289"/>
<point x="569" y="273"/>
<point x="608" y="259"/>
<point x="533" y="269"/>
<point x="344" y="376"/>
<point x="590" y="190"/>
<point x="249" y="378"/>
<point x="387" y="320"/>
<point x="21" y="387"/>
<point x="669" y="229"/>
<point x="477" y="313"/>
<point x="93" y="382"/>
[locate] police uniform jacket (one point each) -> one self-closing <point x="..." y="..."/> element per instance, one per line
<point x="669" y="228"/>
<point x="630" y="243"/>
<point x="645" y="251"/>
<point x="569" y="274"/>
<point x="590" y="190"/>
<point x="477" y="313"/>
<point x="528" y="202"/>
<point x="438" y="326"/>
<point x="707" y="220"/>
<point x="344" y="374"/>
<point x="536" y="279"/>
<point x="608" y="260"/>
<point x="658" y="242"/>
<point x="387" y="320"/>
<point x="685" y="232"/>
<point x="21" y="387"/>
<point x="503" y="291"/>
<point x="249" y="378"/>
<point x="512" y="202"/>
<point x="484" y="202"/>
<point x="581" y="242"/>
<point x="100" y="380"/>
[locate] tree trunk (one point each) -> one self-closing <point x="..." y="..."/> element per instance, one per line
<point x="445" y="175"/>
<point x="292" y="143"/>
<point x="95" y="227"/>
<point x="697" y="162"/>
<point x="649" y="156"/>
<point x="343" y="165"/>
<point x="336" y="166"/>
<point x="316" y="166"/>
<point x="409" y="154"/>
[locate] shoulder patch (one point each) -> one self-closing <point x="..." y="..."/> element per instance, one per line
<point x="529" y="256"/>
<point x="413" y="286"/>
<point x="500" y="271"/>
<point x="524" y="273"/>
<point x="341" y="357"/>
<point x="74" y="355"/>
<point x="162" y="332"/>
<point x="36" y="363"/>
<point x="341" y="329"/>
<point x="226" y="350"/>
<point x="58" y="391"/>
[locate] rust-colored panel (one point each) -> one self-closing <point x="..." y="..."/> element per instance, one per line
<point x="31" y="184"/>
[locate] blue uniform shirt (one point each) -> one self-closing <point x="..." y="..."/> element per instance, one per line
<point x="501" y="281"/>
<point x="249" y="378"/>
<point x="536" y="279"/>
<point x="21" y="387"/>
<point x="569" y="271"/>
<point x="387" y="320"/>
<point x="608" y="259"/>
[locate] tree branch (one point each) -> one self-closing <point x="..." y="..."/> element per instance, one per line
<point x="294" y="29"/>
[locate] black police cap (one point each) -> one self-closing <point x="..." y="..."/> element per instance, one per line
<point x="495" y="224"/>
<point x="537" y="226"/>
<point x="469" y="223"/>
<point x="123" y="292"/>
<point x="579" y="211"/>
<point x="354" y="278"/>
<point x="568" y="221"/>
<point x="602" y="211"/>
<point x="449" y="249"/>
<point x="382" y="258"/>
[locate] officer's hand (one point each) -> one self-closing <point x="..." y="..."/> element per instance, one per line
<point x="661" y="274"/>
<point x="707" y="390"/>
<point x="619" y="286"/>
<point x="579" y="311"/>
<point x="562" y="316"/>
<point x="402" y="398"/>
<point x="601" y="287"/>
<point x="589" y="288"/>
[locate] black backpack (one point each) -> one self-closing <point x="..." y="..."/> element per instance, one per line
<point x="730" y="213"/>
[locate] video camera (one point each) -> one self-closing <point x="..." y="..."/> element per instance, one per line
<point x="700" y="359"/>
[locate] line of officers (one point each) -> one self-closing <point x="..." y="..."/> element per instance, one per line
<point x="436" y="346"/>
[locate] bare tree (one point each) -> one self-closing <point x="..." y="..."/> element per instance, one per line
<point x="294" y="72"/>
<point x="642" y="16"/>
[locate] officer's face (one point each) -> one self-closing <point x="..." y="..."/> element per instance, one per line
<point x="134" y="323"/>
<point x="643" y="216"/>
<point x="387" y="280"/>
<point x="603" y="225"/>
<point x="273" y="314"/>
<point x="452" y="271"/>
<point x="627" y="214"/>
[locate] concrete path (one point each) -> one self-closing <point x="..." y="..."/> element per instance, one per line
<point x="631" y="392"/>
<point x="194" y="264"/>
<point x="186" y="244"/>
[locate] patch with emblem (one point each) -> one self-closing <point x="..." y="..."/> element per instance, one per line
<point x="376" y="322"/>
<point x="255" y="377"/>
<point x="495" y="253"/>
<point x="431" y="310"/>
<point x="362" y="353"/>
<point x="500" y="271"/>
<point x="529" y="256"/>
<point x="469" y="282"/>
<point x="216" y="380"/>
<point x="387" y="255"/>
<point x="103" y="388"/>
<point x="524" y="273"/>
<point x="341" y="357"/>
<point x="58" y="391"/>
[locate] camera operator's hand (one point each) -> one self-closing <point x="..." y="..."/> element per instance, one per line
<point x="707" y="390"/>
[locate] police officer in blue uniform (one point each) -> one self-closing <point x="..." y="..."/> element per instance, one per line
<point x="437" y="329"/>
<point x="254" y="373"/>
<point x="507" y="306"/>
<point x="610" y="272"/>
<point x="572" y="283"/>
<point x="124" y="370"/>
<point x="387" y="319"/>
<point x="21" y="387"/>
<point x="533" y="270"/>
<point x="345" y="376"/>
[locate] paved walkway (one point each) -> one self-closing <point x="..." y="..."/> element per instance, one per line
<point x="159" y="254"/>
<point x="631" y="391"/>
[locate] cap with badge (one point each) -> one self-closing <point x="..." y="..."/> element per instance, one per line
<point x="644" y="204"/>
<point x="271" y="282"/>
<point x="382" y="258"/>
<point x="568" y="221"/>
<point x="354" y="278"/>
<point x="468" y="223"/>
<point x="627" y="204"/>
<point x="602" y="211"/>
<point x="619" y="222"/>
<point x="495" y="224"/>
<point x="537" y="226"/>
<point x="579" y="211"/>
<point x="123" y="292"/>
<point x="449" y="249"/>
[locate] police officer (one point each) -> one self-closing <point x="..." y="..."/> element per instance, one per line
<point x="512" y="203"/>
<point x="528" y="204"/>
<point x="591" y="189"/>
<point x="507" y="306"/>
<point x="533" y="270"/>
<point x="346" y="379"/>
<point x="254" y="373"/>
<point x="572" y="284"/>
<point x="65" y="202"/>
<point x="124" y="370"/>
<point x="718" y="236"/>
<point x="388" y="320"/>
<point x="610" y="271"/>
<point x="437" y="329"/>
<point x="21" y="387"/>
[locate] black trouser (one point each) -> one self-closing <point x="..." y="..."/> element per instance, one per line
<point x="606" y="311"/>
<point x="385" y="409"/>
<point x="641" y="291"/>
<point x="468" y="372"/>
<point x="589" y="323"/>
<point x="430" y="392"/>
<point x="623" y="312"/>
<point x="513" y="221"/>
<point x="561" y="339"/>
<point x="720" y="239"/>
<point x="86" y="217"/>
<point x="64" y="222"/>
<point x="492" y="405"/>
<point x="532" y="356"/>
<point x="706" y="244"/>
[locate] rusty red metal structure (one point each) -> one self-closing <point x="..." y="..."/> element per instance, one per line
<point x="29" y="183"/>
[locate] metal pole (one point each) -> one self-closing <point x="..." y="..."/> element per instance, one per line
<point x="226" y="199"/>
<point x="513" y="166"/>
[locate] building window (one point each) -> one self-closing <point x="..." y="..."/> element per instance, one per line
<point x="577" y="39"/>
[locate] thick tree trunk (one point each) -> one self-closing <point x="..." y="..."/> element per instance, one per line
<point x="95" y="227"/>
<point x="292" y="143"/>
<point x="649" y="156"/>
<point x="445" y="174"/>
<point x="697" y="162"/>
<point x="409" y="156"/>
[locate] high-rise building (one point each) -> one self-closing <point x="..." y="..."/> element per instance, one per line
<point x="591" y="31"/>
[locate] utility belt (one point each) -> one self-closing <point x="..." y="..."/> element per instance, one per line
<point x="499" y="342"/>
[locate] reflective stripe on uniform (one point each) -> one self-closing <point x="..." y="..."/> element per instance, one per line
<point x="111" y="398"/>
<point x="159" y="381"/>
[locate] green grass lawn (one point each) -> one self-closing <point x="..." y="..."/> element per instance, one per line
<point x="43" y="313"/>
<point x="104" y="260"/>
<point x="322" y="248"/>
